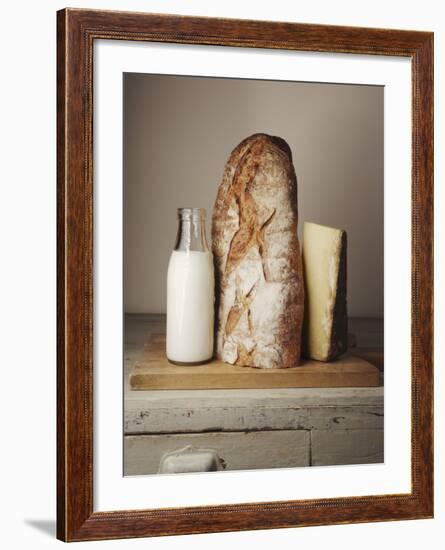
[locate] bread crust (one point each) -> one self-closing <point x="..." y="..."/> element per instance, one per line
<point x="258" y="267"/>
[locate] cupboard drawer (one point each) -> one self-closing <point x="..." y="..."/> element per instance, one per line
<point x="234" y="450"/>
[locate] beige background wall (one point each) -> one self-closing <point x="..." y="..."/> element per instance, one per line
<point x="179" y="132"/>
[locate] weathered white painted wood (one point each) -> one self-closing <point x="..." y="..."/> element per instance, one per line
<point x="346" y="447"/>
<point x="196" y="418"/>
<point x="237" y="451"/>
<point x="284" y="397"/>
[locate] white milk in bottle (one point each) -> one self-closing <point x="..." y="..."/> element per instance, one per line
<point x="190" y="292"/>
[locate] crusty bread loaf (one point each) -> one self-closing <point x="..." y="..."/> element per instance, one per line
<point x="258" y="269"/>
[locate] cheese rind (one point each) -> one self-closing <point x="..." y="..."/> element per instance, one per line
<point x="325" y="325"/>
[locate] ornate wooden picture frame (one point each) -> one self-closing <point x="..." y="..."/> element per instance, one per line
<point x="77" y="31"/>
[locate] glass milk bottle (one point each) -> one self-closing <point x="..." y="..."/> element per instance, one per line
<point x="190" y="292"/>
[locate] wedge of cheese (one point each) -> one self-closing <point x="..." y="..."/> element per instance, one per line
<point x="325" y="324"/>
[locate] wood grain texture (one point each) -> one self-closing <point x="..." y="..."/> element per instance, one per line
<point x="238" y="414"/>
<point x="77" y="30"/>
<point x="153" y="371"/>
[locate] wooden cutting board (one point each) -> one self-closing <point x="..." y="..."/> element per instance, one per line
<point x="154" y="372"/>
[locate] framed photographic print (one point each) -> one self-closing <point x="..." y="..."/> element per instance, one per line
<point x="245" y="229"/>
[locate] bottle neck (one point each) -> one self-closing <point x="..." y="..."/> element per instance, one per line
<point x="191" y="233"/>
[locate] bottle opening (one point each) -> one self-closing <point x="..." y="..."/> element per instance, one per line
<point x="191" y="234"/>
<point x="191" y="213"/>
